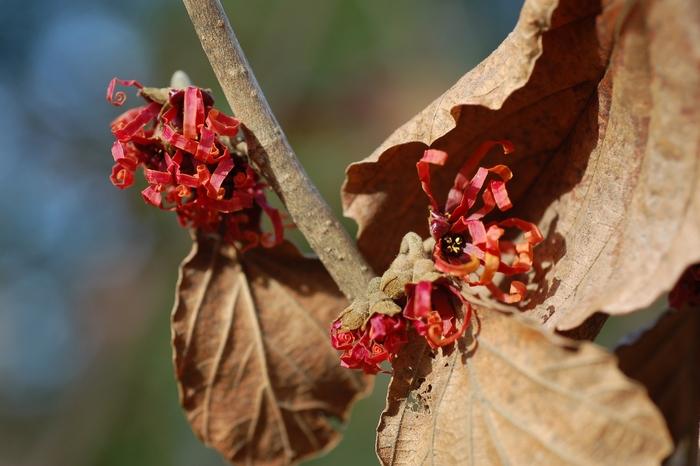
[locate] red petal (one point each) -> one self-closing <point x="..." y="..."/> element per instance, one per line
<point x="131" y="122"/>
<point x="152" y="196"/>
<point x="118" y="98"/>
<point x="222" y="170"/>
<point x="205" y="149"/>
<point x="476" y="229"/>
<point x="517" y="292"/>
<point x="458" y="270"/>
<point x="176" y="139"/>
<point x="422" y="300"/>
<point x="125" y="160"/>
<point x="498" y="188"/>
<point x="222" y="124"/>
<point x="157" y="177"/>
<point x="121" y="177"/>
<point x="454" y="197"/>
<point x="193" y="112"/>
<point x="486" y="208"/>
<point x="430" y="157"/>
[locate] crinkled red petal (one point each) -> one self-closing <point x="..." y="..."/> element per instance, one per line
<point x="206" y="152"/>
<point x="221" y="171"/>
<point x="461" y="269"/>
<point x="131" y="122"/>
<point x="152" y="196"/>
<point x="454" y="197"/>
<point x="157" y="177"/>
<point x="498" y="188"/>
<point x="517" y="292"/>
<point x="118" y="98"/>
<point x="222" y="124"/>
<point x="193" y="112"/>
<point x="177" y="140"/>
<point x="122" y="177"/>
<point x="430" y="157"/>
<point x="472" y="189"/>
<point x="125" y="159"/>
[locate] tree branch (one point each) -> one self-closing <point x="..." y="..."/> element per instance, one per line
<point x="277" y="160"/>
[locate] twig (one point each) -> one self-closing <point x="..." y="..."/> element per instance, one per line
<point x="277" y="160"/>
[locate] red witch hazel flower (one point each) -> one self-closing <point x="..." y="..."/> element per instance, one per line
<point x="466" y="246"/>
<point x="430" y="308"/>
<point x="381" y="339"/>
<point x="185" y="147"/>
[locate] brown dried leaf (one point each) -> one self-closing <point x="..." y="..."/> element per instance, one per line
<point x="666" y="359"/>
<point x="517" y="396"/>
<point x="607" y="151"/>
<point x="257" y="376"/>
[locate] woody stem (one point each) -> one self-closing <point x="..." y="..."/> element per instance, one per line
<point x="270" y="150"/>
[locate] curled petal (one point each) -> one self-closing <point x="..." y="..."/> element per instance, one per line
<point x="177" y="140"/>
<point x="156" y="177"/>
<point x="531" y="231"/>
<point x="122" y="177"/>
<point x="152" y="196"/>
<point x="125" y="159"/>
<point x="488" y="205"/>
<point x="222" y="170"/>
<point x="498" y="188"/>
<point x="455" y="196"/>
<point x="222" y="124"/>
<point x="517" y="292"/>
<point x="132" y="121"/>
<point x="189" y="181"/>
<point x="206" y="151"/>
<point x="430" y="157"/>
<point x="339" y="339"/>
<point x="458" y="270"/>
<point x="238" y="201"/>
<point x="471" y="191"/>
<point x="118" y="98"/>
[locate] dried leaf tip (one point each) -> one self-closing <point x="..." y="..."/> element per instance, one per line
<point x="467" y="245"/>
<point x="186" y="149"/>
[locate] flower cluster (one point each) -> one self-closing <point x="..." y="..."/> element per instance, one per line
<point x="365" y="349"/>
<point x="687" y="289"/>
<point x="430" y="308"/>
<point x="466" y="246"/>
<point x="185" y="147"/>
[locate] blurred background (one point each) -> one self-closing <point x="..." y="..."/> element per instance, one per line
<point x="87" y="272"/>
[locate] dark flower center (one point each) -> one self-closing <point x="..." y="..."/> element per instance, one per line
<point x="452" y="244"/>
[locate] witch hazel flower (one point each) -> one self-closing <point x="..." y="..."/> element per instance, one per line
<point x="185" y="148"/>
<point x="380" y="340"/>
<point x="410" y="297"/>
<point x="430" y="309"/>
<point x="466" y="244"/>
